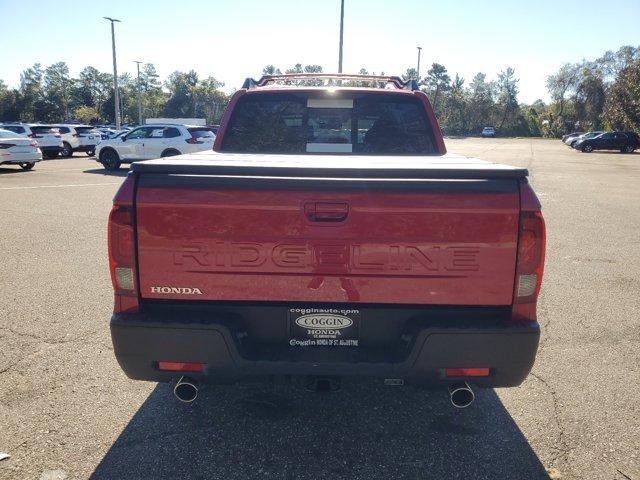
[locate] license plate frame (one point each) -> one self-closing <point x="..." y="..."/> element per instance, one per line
<point x="324" y="327"/>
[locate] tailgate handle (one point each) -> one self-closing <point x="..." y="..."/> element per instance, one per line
<point x="326" y="211"/>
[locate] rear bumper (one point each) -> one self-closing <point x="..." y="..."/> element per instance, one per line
<point x="19" y="158"/>
<point x="84" y="148"/>
<point x="141" y="340"/>
<point x="56" y="149"/>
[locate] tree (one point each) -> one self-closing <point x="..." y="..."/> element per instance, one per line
<point x="50" y="94"/>
<point x="181" y="86"/>
<point x="149" y="78"/>
<point x="410" y="74"/>
<point x="312" y="69"/>
<point x="622" y="106"/>
<point x="57" y="92"/>
<point x="93" y="88"/>
<point x="86" y="114"/>
<point x="297" y="68"/>
<point x="31" y="94"/>
<point x="507" y="90"/>
<point x="9" y="103"/>
<point x="590" y="95"/>
<point x="210" y="100"/>
<point x="153" y="99"/>
<point x="437" y="82"/>
<point x="455" y="108"/>
<point x="481" y="102"/>
<point x="4" y="94"/>
<point x="271" y="70"/>
<point x="191" y="97"/>
<point x="533" y="117"/>
<point x="559" y="86"/>
<point x="612" y="63"/>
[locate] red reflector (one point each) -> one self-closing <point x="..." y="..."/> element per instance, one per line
<point x="181" y="367"/>
<point x="466" y="372"/>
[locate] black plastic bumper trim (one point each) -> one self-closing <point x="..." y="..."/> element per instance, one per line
<point x="509" y="349"/>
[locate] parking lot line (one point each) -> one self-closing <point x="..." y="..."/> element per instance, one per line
<point x="61" y="186"/>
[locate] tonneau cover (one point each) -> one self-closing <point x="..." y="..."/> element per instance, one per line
<point x="330" y="166"/>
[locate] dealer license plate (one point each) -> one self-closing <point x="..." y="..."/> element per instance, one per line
<point x="324" y="327"/>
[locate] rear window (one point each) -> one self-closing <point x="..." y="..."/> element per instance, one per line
<point x="366" y="124"/>
<point x="201" y="132"/>
<point x="85" y="129"/>
<point x="40" y="130"/>
<point x="14" y="129"/>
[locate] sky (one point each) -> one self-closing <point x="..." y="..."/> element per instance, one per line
<point x="235" y="39"/>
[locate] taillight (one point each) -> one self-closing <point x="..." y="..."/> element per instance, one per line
<point x="530" y="258"/>
<point x="122" y="261"/>
<point x="194" y="141"/>
<point x="531" y="245"/>
<point x="195" y="367"/>
<point x="76" y="135"/>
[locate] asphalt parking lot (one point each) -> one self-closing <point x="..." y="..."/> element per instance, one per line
<point x="67" y="411"/>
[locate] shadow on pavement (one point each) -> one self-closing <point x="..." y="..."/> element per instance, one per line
<point x="13" y="169"/>
<point x="109" y="173"/>
<point x="363" y="431"/>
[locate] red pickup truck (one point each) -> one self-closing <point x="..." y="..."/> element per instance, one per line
<point x="328" y="236"/>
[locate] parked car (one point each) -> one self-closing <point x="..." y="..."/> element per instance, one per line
<point x="625" y="142"/>
<point x="78" y="138"/>
<point x="488" y="132"/>
<point x="287" y="253"/>
<point x="153" y="141"/>
<point x="106" y="133"/>
<point x="16" y="149"/>
<point x="570" y="135"/>
<point x="573" y="140"/>
<point x="48" y="138"/>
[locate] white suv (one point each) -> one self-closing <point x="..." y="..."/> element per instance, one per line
<point x="78" y="138"/>
<point x="153" y="141"/>
<point x="16" y="149"/>
<point x="48" y="138"/>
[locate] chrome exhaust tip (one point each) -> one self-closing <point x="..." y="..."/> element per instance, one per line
<point x="461" y="395"/>
<point x="186" y="389"/>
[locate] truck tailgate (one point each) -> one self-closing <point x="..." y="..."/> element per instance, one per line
<point x="421" y="241"/>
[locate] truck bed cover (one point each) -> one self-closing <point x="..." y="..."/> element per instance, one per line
<point x="449" y="166"/>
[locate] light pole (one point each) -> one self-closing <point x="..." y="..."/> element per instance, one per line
<point x="418" y="69"/>
<point x="115" y="71"/>
<point x="341" y="34"/>
<point x="138" y="62"/>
